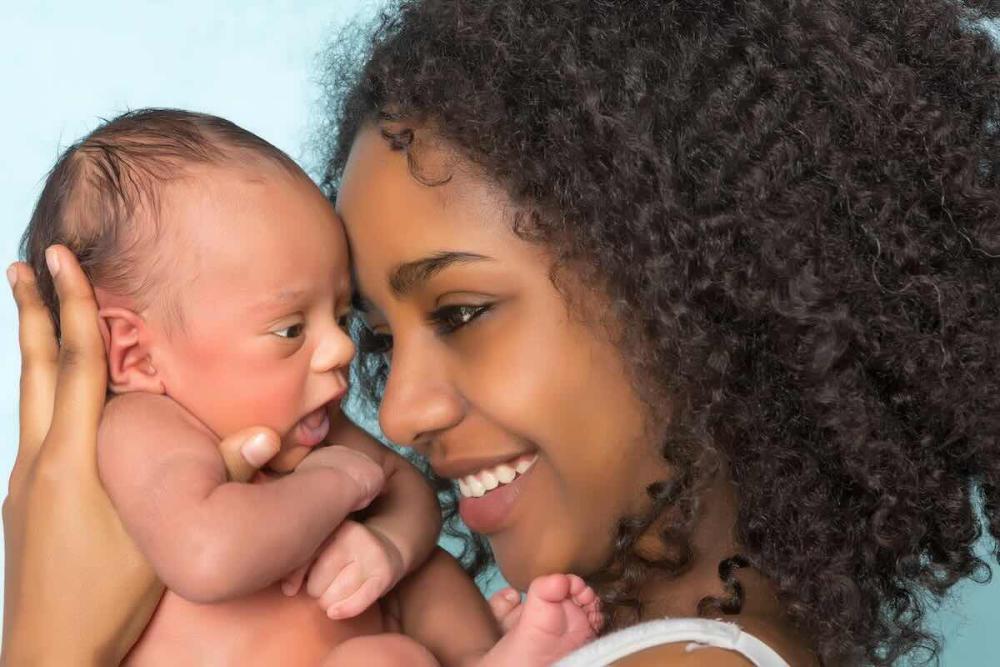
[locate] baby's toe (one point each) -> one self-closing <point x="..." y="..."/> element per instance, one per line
<point x="503" y="602"/>
<point x="550" y="588"/>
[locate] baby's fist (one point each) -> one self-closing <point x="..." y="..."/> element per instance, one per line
<point x="356" y="466"/>
<point x="355" y="568"/>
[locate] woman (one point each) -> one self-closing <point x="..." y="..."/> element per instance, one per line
<point x="727" y="273"/>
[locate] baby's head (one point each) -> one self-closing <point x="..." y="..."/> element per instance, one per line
<point x="220" y="270"/>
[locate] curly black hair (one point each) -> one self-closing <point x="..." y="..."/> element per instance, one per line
<point x="794" y="206"/>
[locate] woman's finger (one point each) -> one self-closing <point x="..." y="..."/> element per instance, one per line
<point x="247" y="451"/>
<point x="82" y="374"/>
<point x="39" y="355"/>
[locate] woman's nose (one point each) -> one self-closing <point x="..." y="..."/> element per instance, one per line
<point x="419" y="399"/>
<point x="335" y="351"/>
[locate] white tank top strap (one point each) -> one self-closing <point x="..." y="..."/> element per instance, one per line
<point x="697" y="632"/>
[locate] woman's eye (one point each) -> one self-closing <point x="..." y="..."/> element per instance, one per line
<point x="293" y="331"/>
<point x="452" y="318"/>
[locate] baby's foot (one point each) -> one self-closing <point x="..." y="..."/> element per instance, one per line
<point x="506" y="607"/>
<point x="560" y="614"/>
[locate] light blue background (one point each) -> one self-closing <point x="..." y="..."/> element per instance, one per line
<point x="64" y="65"/>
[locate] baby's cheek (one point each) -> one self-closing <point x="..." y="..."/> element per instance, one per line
<point x="276" y="403"/>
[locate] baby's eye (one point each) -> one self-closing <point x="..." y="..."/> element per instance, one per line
<point x="293" y="331"/>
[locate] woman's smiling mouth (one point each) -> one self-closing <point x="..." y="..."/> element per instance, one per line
<point x="487" y="496"/>
<point x="480" y="483"/>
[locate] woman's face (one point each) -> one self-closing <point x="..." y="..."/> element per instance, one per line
<point x="491" y="377"/>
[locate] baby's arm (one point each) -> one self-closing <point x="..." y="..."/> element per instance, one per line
<point x="440" y="607"/>
<point x="207" y="538"/>
<point x="407" y="513"/>
<point x="400" y="528"/>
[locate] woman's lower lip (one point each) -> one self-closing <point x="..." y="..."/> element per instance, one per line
<point x="488" y="513"/>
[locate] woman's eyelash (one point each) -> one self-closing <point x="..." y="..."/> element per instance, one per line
<point x="446" y="320"/>
<point x="449" y="319"/>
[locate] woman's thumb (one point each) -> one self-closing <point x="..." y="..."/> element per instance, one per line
<point x="247" y="451"/>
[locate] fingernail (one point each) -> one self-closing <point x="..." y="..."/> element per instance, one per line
<point x="287" y="589"/>
<point x="512" y="596"/>
<point x="52" y="260"/>
<point x="258" y="450"/>
<point x="12" y="275"/>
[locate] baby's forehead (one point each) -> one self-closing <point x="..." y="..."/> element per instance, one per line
<point x="223" y="203"/>
<point x="244" y="219"/>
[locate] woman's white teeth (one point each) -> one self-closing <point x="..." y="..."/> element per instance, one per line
<point x="476" y="485"/>
<point x="489" y="480"/>
<point x="505" y="474"/>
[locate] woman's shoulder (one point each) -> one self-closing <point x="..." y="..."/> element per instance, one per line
<point x="681" y="655"/>
<point x="679" y="642"/>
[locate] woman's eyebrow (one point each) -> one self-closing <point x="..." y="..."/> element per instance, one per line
<point x="406" y="277"/>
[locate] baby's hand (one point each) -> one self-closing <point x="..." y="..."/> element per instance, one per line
<point x="355" y="568"/>
<point x="365" y="473"/>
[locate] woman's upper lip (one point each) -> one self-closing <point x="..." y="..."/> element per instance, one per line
<point x="462" y="466"/>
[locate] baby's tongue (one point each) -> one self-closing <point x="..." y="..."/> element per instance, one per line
<point x="315" y="418"/>
<point x="312" y="429"/>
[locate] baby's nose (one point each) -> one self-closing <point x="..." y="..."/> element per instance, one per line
<point x="334" y="351"/>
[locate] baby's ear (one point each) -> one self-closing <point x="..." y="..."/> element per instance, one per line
<point x="127" y="342"/>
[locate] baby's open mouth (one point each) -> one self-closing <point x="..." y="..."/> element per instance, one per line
<point x="311" y="429"/>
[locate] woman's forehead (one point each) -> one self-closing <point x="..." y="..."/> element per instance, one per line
<point x="394" y="216"/>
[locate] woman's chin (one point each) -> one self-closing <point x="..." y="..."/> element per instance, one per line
<point x="521" y="563"/>
<point x="517" y="577"/>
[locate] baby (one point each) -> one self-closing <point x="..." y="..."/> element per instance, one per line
<point x="221" y="275"/>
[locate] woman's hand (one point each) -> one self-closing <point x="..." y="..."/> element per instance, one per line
<point x="77" y="591"/>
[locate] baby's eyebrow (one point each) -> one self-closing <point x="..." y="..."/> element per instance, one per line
<point x="280" y="297"/>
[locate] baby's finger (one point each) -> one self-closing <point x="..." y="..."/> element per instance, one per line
<point x="292" y="584"/>
<point x="333" y="558"/>
<point x="245" y="452"/>
<point x="357" y="602"/>
<point x="82" y="375"/>
<point x="39" y="355"/>
<point x="348" y="580"/>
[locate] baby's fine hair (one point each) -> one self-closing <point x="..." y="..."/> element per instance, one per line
<point x="102" y="197"/>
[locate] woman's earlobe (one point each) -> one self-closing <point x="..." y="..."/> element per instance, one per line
<point x="126" y="341"/>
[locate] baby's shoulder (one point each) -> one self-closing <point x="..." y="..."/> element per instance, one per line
<point x="149" y="418"/>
